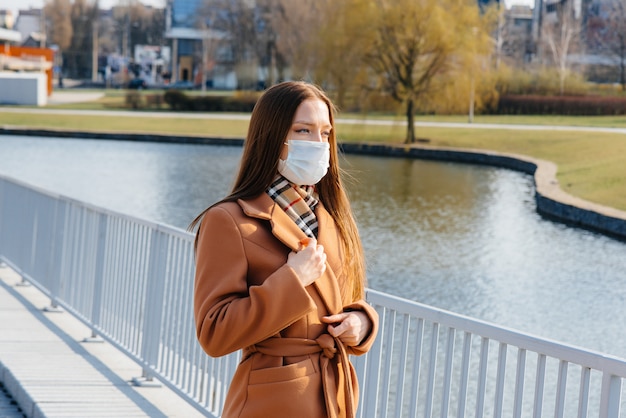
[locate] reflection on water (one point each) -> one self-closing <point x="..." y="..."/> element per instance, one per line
<point x="468" y="239"/>
<point x="160" y="182"/>
<point x="460" y="237"/>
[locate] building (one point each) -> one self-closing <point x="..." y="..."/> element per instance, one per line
<point x="184" y="35"/>
<point x="7" y="34"/>
<point x="524" y="30"/>
<point x="6" y="19"/>
<point x="25" y="72"/>
<point x="517" y="35"/>
<point x="29" y="23"/>
<point x="198" y="53"/>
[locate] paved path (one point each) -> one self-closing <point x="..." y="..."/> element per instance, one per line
<point x="50" y="373"/>
<point x="63" y="97"/>
<point x="245" y="117"/>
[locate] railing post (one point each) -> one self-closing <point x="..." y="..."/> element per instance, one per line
<point x="369" y="398"/>
<point x="153" y="307"/>
<point x="59" y="252"/>
<point x="482" y="376"/>
<point x="610" y="397"/>
<point x="4" y="219"/>
<point x="3" y="232"/>
<point x="432" y="367"/>
<point x="98" y="284"/>
<point x="559" y="408"/>
<point x="499" y="395"/>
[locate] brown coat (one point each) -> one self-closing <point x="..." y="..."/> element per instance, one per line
<point x="246" y="297"/>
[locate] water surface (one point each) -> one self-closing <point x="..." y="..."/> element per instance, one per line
<point x="456" y="236"/>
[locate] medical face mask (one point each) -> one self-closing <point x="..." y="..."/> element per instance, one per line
<point x="307" y="162"/>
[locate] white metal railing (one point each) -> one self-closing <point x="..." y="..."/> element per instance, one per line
<point x="131" y="281"/>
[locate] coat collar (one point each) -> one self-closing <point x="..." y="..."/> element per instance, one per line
<point x="283" y="228"/>
<point x="286" y="231"/>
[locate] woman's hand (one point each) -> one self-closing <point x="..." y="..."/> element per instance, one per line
<point x="350" y="327"/>
<point x="309" y="263"/>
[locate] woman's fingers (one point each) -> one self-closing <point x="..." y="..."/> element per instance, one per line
<point x="309" y="263"/>
<point x="350" y="327"/>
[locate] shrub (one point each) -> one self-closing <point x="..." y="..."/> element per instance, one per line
<point x="133" y="99"/>
<point x="537" y="92"/>
<point x="539" y="81"/>
<point x="242" y="101"/>
<point x="154" y="100"/>
<point x="561" y="105"/>
<point x="177" y="100"/>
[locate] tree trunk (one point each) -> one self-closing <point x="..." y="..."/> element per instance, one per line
<point x="410" y="117"/>
<point x="622" y="73"/>
<point x="341" y="94"/>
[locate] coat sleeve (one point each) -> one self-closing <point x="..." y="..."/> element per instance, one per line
<point x="229" y="314"/>
<point x="368" y="341"/>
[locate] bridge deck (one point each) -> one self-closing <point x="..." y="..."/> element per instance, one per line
<point x="50" y="372"/>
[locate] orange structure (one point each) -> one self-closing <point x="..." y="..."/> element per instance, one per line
<point x="25" y="58"/>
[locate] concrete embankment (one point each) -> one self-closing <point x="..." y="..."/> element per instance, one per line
<point x="552" y="201"/>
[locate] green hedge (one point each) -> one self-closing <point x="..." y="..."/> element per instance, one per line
<point x="178" y="100"/>
<point x="561" y="105"/>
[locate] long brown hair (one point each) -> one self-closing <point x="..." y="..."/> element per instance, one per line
<point x="270" y="123"/>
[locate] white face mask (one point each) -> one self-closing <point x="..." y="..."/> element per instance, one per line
<point x="307" y="162"/>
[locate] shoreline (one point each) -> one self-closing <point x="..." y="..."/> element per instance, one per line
<point x="552" y="202"/>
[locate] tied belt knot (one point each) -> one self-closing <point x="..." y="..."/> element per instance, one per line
<point x="329" y="348"/>
<point x="327" y="344"/>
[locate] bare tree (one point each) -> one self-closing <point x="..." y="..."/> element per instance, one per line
<point x="416" y="41"/>
<point x="268" y="57"/>
<point x="138" y="24"/>
<point x="500" y="35"/>
<point x="614" y="40"/>
<point x="296" y="27"/>
<point x="515" y="40"/>
<point x="78" y="56"/>
<point x="562" y="35"/>
<point x="59" y="23"/>
<point x="337" y="46"/>
<point x="239" y="21"/>
<point x="272" y="35"/>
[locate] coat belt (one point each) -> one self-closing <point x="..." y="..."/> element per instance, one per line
<point x="329" y="347"/>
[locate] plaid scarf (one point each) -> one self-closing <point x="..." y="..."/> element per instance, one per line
<point x="297" y="202"/>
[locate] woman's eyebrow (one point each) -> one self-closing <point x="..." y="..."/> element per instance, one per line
<point x="309" y="123"/>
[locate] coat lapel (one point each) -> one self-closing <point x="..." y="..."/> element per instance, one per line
<point x="286" y="231"/>
<point x="283" y="227"/>
<point x="328" y="284"/>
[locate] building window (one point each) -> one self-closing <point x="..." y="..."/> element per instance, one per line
<point x="184" y="13"/>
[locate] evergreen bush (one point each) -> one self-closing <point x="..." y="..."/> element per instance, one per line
<point x="177" y="100"/>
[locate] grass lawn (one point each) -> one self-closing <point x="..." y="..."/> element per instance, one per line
<point x="591" y="165"/>
<point x="115" y="99"/>
<point x="174" y="126"/>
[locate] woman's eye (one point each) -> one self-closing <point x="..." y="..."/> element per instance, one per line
<point x="302" y="131"/>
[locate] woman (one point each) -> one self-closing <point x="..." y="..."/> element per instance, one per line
<point x="280" y="270"/>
